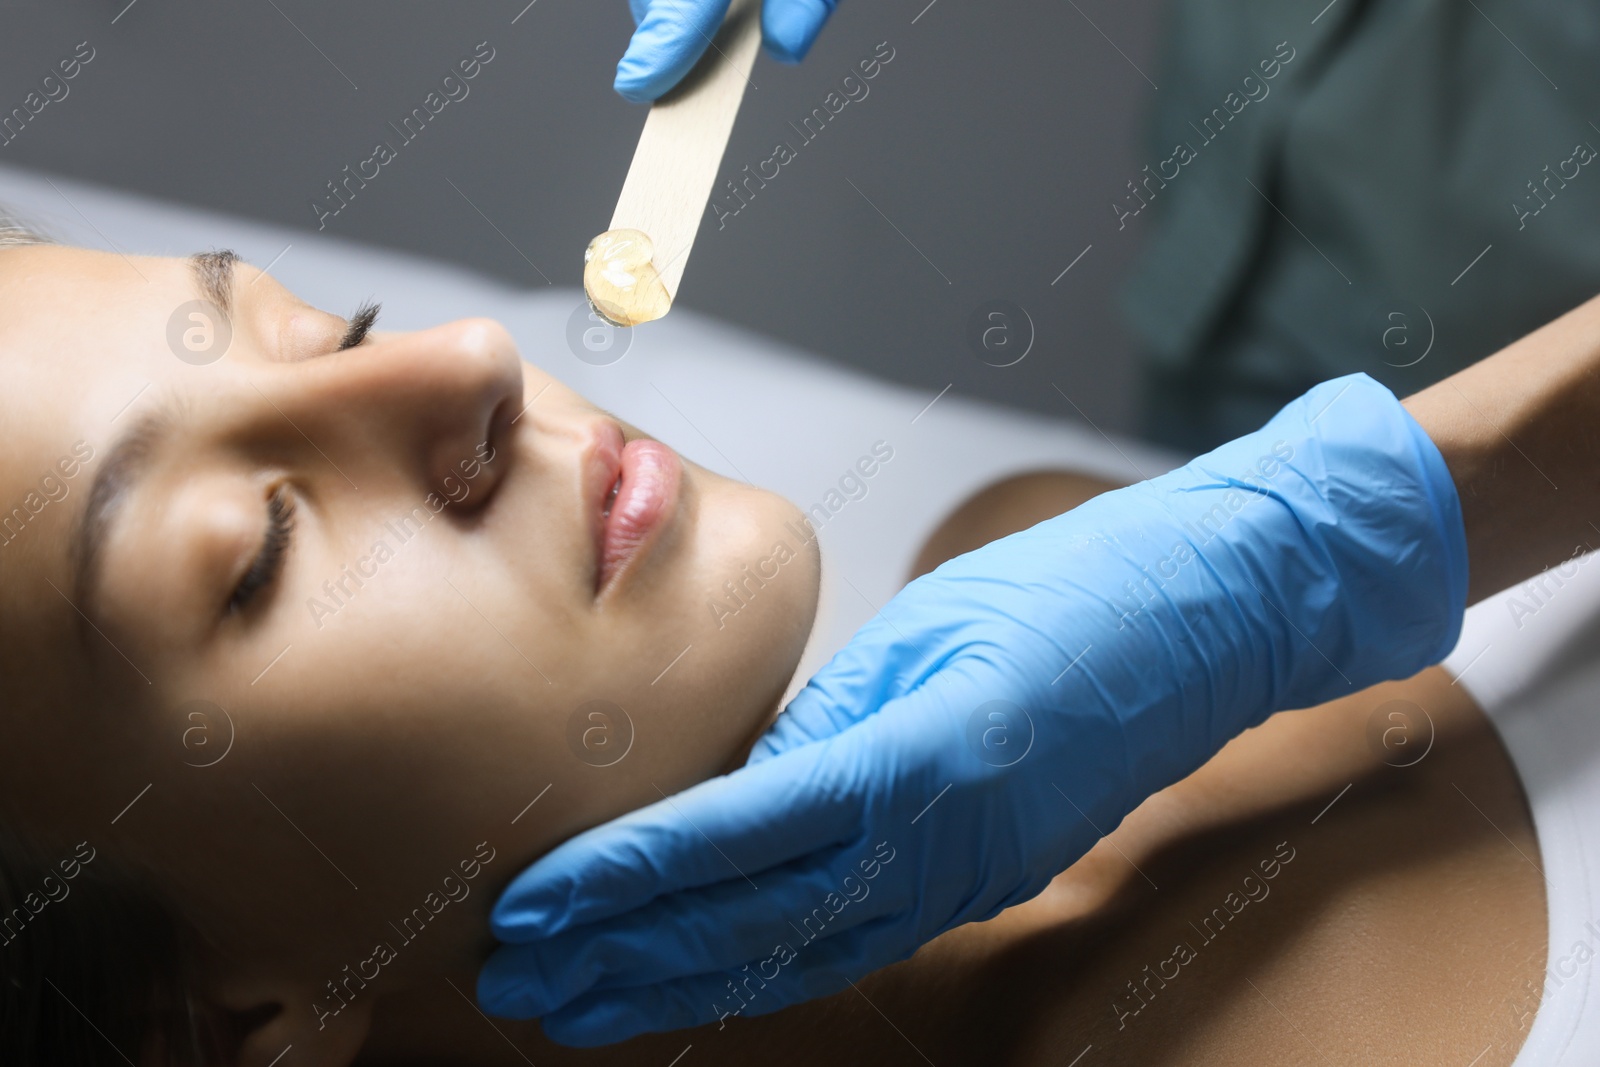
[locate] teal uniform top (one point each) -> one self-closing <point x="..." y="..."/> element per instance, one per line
<point x="1399" y="187"/>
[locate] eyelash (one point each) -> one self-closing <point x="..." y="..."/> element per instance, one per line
<point x="274" y="547"/>
<point x="360" y="323"/>
<point x="280" y="506"/>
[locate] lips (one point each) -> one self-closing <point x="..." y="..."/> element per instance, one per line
<point x="634" y="491"/>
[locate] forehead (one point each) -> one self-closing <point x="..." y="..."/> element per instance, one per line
<point x="82" y="336"/>
<point x="76" y="329"/>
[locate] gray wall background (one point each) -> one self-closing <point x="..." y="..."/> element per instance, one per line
<point x="983" y="159"/>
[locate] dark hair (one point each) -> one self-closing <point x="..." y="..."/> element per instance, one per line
<point x="93" y="967"/>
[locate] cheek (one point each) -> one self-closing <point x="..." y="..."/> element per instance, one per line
<point x="396" y="740"/>
<point x="426" y="715"/>
<point x="660" y="690"/>
<point x="700" y="668"/>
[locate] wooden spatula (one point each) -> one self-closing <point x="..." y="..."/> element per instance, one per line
<point x="631" y="272"/>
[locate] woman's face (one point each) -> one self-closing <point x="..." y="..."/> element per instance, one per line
<point x="303" y="632"/>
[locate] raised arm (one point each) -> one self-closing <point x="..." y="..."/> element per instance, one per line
<point x="1005" y="711"/>
<point x="1520" y="432"/>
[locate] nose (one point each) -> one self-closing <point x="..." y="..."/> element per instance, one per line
<point x="434" y="405"/>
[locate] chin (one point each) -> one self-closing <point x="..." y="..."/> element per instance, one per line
<point x="763" y="568"/>
<point x="756" y="574"/>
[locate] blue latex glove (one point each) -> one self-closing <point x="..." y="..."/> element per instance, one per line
<point x="672" y="34"/>
<point x="998" y="717"/>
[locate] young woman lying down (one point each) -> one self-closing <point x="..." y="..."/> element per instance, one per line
<point x="314" y="635"/>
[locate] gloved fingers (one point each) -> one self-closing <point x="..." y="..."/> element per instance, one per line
<point x="790" y="26"/>
<point x="717" y="831"/>
<point x="670" y="38"/>
<point x="789" y="972"/>
<point x="841" y="695"/>
<point x="884" y="665"/>
<point x="878" y="664"/>
<point x="721" y="927"/>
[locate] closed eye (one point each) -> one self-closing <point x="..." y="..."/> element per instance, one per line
<point x="269" y="558"/>
<point x="360" y="324"/>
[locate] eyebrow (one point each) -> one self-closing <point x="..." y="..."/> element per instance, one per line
<point x="130" y="456"/>
<point x="126" y="463"/>
<point x="213" y="276"/>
